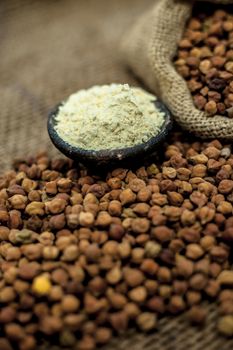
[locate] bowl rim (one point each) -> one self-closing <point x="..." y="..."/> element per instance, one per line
<point x="75" y="152"/>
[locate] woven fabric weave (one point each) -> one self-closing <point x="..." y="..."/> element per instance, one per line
<point x="50" y="49"/>
<point x="149" y="49"/>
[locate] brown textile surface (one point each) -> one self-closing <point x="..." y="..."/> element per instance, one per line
<point x="49" y="49"/>
<point x="150" y="56"/>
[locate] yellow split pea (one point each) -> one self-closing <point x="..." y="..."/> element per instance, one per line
<point x="41" y="285"/>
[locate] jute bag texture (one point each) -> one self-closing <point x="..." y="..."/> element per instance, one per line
<point x="149" y="49"/>
<point x="48" y="50"/>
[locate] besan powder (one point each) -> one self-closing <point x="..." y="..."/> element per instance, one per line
<point x="109" y="117"/>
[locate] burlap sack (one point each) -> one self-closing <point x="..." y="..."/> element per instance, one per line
<point x="149" y="50"/>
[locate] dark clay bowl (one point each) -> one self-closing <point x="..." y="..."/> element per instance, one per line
<point x="110" y="156"/>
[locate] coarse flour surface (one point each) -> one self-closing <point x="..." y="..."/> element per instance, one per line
<point x="109" y="117"/>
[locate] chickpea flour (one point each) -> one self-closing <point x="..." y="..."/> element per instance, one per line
<point x="109" y="117"/>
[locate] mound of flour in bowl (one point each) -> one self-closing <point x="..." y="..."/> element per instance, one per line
<point x="109" y="117"/>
